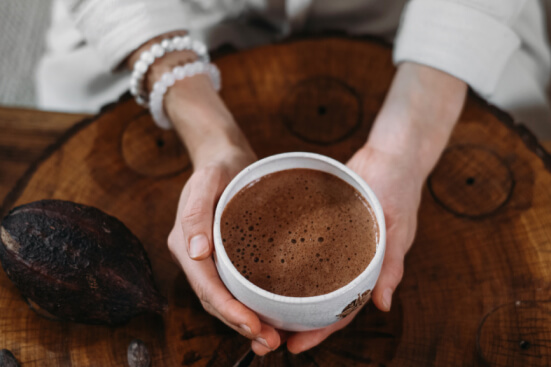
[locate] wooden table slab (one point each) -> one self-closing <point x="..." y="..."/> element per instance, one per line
<point x="476" y="288"/>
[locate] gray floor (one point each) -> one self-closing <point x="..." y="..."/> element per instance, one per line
<point x="22" y="27"/>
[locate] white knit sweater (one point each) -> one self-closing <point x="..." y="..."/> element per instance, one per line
<point x="499" y="47"/>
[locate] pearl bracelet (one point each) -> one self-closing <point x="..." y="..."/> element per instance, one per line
<point x="158" y="50"/>
<point x="169" y="78"/>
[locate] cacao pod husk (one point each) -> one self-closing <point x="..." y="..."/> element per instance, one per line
<point x="74" y="262"/>
<point x="7" y="359"/>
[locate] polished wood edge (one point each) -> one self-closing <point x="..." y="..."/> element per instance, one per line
<point x="529" y="139"/>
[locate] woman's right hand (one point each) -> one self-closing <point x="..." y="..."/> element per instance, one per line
<point x="191" y="244"/>
<point x="218" y="150"/>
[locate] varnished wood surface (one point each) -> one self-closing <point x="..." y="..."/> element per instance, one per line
<point x="24" y="135"/>
<point x="476" y="289"/>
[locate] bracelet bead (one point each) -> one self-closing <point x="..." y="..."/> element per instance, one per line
<point x="158" y="50"/>
<point x="169" y="78"/>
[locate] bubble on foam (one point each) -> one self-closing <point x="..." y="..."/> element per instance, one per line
<point x="320" y="239"/>
<point x="256" y="259"/>
<point x="301" y="239"/>
<point x="282" y="261"/>
<point x="293" y="241"/>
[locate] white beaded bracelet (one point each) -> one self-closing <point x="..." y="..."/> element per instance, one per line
<point x="169" y="78"/>
<point x="158" y="50"/>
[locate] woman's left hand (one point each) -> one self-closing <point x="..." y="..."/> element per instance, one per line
<point x="406" y="141"/>
<point x="398" y="189"/>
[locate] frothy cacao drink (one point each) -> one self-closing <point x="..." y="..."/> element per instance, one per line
<point x="299" y="232"/>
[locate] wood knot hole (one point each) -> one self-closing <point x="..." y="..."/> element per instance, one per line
<point x="160" y="143"/>
<point x="524" y="345"/>
<point x="322" y="110"/>
<point x="470" y="181"/>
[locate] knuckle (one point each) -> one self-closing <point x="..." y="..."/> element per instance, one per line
<point x="173" y="243"/>
<point x="208" y="307"/>
<point x="397" y="271"/>
<point x="192" y="214"/>
<point x="171" y="246"/>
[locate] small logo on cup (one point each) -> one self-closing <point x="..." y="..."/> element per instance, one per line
<point x="355" y="304"/>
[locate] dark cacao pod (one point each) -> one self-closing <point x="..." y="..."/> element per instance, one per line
<point x="7" y="359"/>
<point x="77" y="263"/>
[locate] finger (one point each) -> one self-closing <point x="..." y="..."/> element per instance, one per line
<point x="214" y="296"/>
<point x="259" y="349"/>
<point x="197" y="215"/>
<point x="267" y="341"/>
<point x="391" y="275"/>
<point x="302" y="341"/>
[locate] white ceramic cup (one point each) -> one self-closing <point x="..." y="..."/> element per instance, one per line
<point x="298" y="313"/>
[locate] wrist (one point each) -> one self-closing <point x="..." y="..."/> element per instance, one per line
<point x="418" y="116"/>
<point x="202" y="121"/>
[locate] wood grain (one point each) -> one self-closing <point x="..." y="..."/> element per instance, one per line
<point x="483" y="243"/>
<point x="25" y="134"/>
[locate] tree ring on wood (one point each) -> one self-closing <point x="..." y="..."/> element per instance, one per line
<point x="471" y="181"/>
<point x="151" y="151"/>
<point x="322" y="110"/>
<point x="519" y="331"/>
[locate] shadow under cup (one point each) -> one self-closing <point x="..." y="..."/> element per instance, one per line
<point x="298" y="313"/>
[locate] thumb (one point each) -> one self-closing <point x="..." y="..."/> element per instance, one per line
<point x="197" y="215"/>
<point x="390" y="277"/>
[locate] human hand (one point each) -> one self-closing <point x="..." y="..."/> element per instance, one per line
<point x="191" y="243"/>
<point x="407" y="138"/>
<point x="398" y="189"/>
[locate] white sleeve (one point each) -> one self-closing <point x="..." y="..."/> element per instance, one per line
<point x="470" y="39"/>
<point x="117" y="27"/>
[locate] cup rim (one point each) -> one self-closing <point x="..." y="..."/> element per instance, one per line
<point x="223" y="257"/>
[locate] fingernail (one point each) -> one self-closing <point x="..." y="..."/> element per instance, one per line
<point x="199" y="245"/>
<point x="387" y="298"/>
<point x="263" y="342"/>
<point x="245" y="328"/>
